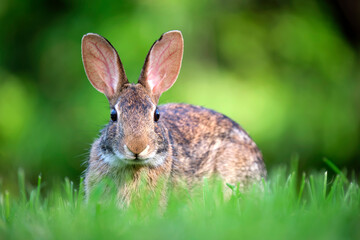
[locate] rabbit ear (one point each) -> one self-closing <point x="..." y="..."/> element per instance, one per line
<point x="162" y="64"/>
<point x="102" y="64"/>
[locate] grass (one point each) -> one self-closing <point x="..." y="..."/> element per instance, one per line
<point x="286" y="206"/>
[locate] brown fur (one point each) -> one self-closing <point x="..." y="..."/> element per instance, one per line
<point x="187" y="143"/>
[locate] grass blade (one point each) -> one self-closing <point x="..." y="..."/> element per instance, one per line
<point x="325" y="185"/>
<point x="336" y="169"/>
<point x="37" y="199"/>
<point x="7" y="205"/>
<point x="21" y="179"/>
<point x="302" y="186"/>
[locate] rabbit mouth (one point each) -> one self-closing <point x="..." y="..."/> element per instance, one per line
<point x="130" y="158"/>
<point x="152" y="159"/>
<point x="136" y="161"/>
<point x="145" y="154"/>
<point x="118" y="159"/>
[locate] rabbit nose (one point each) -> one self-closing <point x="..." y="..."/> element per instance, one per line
<point x="136" y="147"/>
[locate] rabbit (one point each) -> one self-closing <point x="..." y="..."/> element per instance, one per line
<point x="172" y="141"/>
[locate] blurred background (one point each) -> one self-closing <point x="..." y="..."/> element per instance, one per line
<point x="288" y="71"/>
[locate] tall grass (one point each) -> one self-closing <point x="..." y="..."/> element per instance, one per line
<point x="286" y="206"/>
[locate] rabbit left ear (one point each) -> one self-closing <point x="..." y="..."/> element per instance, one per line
<point x="162" y="64"/>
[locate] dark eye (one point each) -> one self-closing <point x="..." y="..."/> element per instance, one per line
<point x="156" y="115"/>
<point x="113" y="115"/>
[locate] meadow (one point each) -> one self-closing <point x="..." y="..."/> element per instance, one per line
<point x="286" y="70"/>
<point x="287" y="205"/>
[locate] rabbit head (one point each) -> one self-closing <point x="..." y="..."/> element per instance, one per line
<point x="134" y="134"/>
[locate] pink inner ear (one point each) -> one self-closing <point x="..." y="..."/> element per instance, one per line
<point x="101" y="64"/>
<point x="106" y="67"/>
<point x="164" y="63"/>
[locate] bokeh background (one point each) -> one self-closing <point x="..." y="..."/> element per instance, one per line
<point x="287" y="70"/>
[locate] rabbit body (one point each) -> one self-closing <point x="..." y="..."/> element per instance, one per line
<point x="173" y="142"/>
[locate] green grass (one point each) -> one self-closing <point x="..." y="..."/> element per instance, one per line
<point x="286" y="206"/>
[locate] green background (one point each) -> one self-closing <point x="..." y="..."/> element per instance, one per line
<point x="283" y="70"/>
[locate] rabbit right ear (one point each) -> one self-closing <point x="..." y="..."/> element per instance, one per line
<point x="102" y="64"/>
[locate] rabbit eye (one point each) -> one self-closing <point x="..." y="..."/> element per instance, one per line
<point x="156" y="115"/>
<point x="113" y="115"/>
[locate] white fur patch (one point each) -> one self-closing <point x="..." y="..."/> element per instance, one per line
<point x="157" y="160"/>
<point x="127" y="151"/>
<point x="112" y="160"/>
<point x="254" y="167"/>
<point x="144" y="152"/>
<point x="241" y="134"/>
<point x="216" y="145"/>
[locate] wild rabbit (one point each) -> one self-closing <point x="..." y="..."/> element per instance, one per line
<point x="171" y="141"/>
